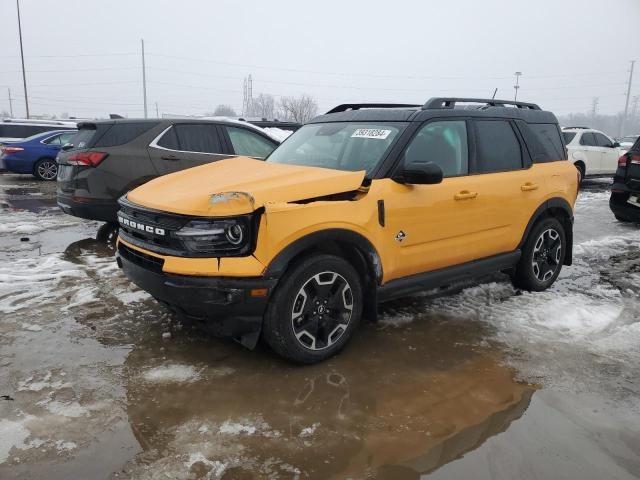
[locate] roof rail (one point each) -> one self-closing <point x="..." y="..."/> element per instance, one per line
<point x="357" y="106"/>
<point x="579" y="128"/>
<point x="450" y="102"/>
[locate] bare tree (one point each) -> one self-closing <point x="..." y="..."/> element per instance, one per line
<point x="224" y="111"/>
<point x="263" y="106"/>
<point x="298" y="109"/>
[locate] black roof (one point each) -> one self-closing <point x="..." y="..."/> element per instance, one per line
<point x="437" y="107"/>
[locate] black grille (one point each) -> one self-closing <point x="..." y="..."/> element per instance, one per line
<point x="141" y="259"/>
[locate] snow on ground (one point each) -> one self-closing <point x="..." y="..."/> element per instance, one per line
<point x="172" y="373"/>
<point x="24" y="222"/>
<point x="592" y="310"/>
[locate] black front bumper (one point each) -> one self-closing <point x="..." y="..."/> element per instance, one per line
<point x="222" y="305"/>
<point x="88" y="208"/>
<point x="621" y="207"/>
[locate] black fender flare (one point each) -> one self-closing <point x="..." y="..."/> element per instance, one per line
<point x="279" y="263"/>
<point x="555" y="203"/>
<point x="358" y="250"/>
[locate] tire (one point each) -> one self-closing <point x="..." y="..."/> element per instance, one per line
<point x="541" y="262"/>
<point x="315" y="310"/>
<point x="45" y="169"/>
<point x="581" y="170"/>
<point x="622" y="219"/>
<point x="108" y="233"/>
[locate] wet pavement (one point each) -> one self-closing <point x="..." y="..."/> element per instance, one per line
<point x="484" y="382"/>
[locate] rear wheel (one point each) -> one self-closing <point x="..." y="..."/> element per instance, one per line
<point x="315" y="310"/>
<point x="542" y="256"/>
<point x="45" y="169"/>
<point x="581" y="170"/>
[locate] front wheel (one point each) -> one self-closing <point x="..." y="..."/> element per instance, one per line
<point x="45" y="169"/>
<point x="315" y="310"/>
<point x="542" y="256"/>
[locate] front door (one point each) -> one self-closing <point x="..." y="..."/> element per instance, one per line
<point x="433" y="226"/>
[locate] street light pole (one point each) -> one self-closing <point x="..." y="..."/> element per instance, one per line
<point x="10" y="102"/>
<point x="144" y="80"/>
<point x="516" y="87"/>
<point x="24" y="76"/>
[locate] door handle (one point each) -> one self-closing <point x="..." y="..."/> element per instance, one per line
<point x="527" y="187"/>
<point x="465" y="195"/>
<point x="169" y="157"/>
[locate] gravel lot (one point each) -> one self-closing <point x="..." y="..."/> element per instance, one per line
<point x="482" y="383"/>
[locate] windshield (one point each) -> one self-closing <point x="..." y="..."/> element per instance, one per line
<point x="340" y="146"/>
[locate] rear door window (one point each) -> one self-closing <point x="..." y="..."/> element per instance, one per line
<point x="199" y="138"/>
<point x="121" y="133"/>
<point x="497" y="147"/>
<point x="55" y="140"/>
<point x="249" y="143"/>
<point x="23" y="131"/>
<point x="588" y="140"/>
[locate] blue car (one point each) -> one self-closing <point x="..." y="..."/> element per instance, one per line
<point x="36" y="154"/>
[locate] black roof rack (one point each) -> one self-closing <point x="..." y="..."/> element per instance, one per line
<point x="579" y="128"/>
<point x="357" y="106"/>
<point x="450" y="102"/>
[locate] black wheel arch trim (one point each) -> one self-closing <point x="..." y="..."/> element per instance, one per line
<point x="545" y="207"/>
<point x="363" y="249"/>
<point x="279" y="264"/>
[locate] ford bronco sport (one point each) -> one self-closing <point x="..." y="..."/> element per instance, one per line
<point x="361" y="205"/>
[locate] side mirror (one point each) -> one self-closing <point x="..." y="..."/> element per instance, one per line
<point x="419" y="174"/>
<point x="615" y="144"/>
<point x="67" y="146"/>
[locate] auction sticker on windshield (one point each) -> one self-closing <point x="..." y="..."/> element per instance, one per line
<point x="371" y="133"/>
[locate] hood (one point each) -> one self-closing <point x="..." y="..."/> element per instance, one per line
<point x="240" y="185"/>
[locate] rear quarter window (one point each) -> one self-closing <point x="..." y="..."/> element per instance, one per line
<point x="543" y="141"/>
<point x="121" y="133"/>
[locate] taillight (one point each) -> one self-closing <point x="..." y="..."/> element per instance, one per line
<point x="634" y="158"/>
<point x="10" y="150"/>
<point x="88" y="159"/>
<point x="622" y="161"/>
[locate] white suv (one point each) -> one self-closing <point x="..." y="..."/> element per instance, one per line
<point x="591" y="151"/>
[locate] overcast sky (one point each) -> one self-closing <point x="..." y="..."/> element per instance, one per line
<point x="83" y="57"/>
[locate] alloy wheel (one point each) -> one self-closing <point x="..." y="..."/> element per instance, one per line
<point x="322" y="310"/>
<point x="547" y="253"/>
<point x="48" y="170"/>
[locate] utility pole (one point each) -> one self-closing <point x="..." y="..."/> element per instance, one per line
<point x="594" y="107"/>
<point x="24" y="77"/>
<point x="626" y="105"/>
<point x="157" y="113"/>
<point x="516" y="87"/>
<point x="144" y="80"/>
<point x="10" y="102"/>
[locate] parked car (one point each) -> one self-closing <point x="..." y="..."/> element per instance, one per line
<point x="111" y="157"/>
<point x="627" y="142"/>
<point x="12" y="130"/>
<point x="625" y="192"/>
<point x="36" y="154"/>
<point x="592" y="152"/>
<point x="358" y="206"/>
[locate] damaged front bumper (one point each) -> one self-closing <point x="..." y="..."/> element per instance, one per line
<point x="225" y="306"/>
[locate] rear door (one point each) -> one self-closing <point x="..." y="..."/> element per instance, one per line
<point x="593" y="153"/>
<point x="608" y="154"/>
<point x="186" y="145"/>
<point x="508" y="187"/>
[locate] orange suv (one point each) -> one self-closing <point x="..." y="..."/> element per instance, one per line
<point x="361" y="205"/>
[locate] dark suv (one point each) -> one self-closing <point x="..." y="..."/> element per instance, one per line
<point x="111" y="157"/>
<point x="625" y="193"/>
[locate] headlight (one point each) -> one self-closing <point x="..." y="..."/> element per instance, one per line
<point x="218" y="237"/>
